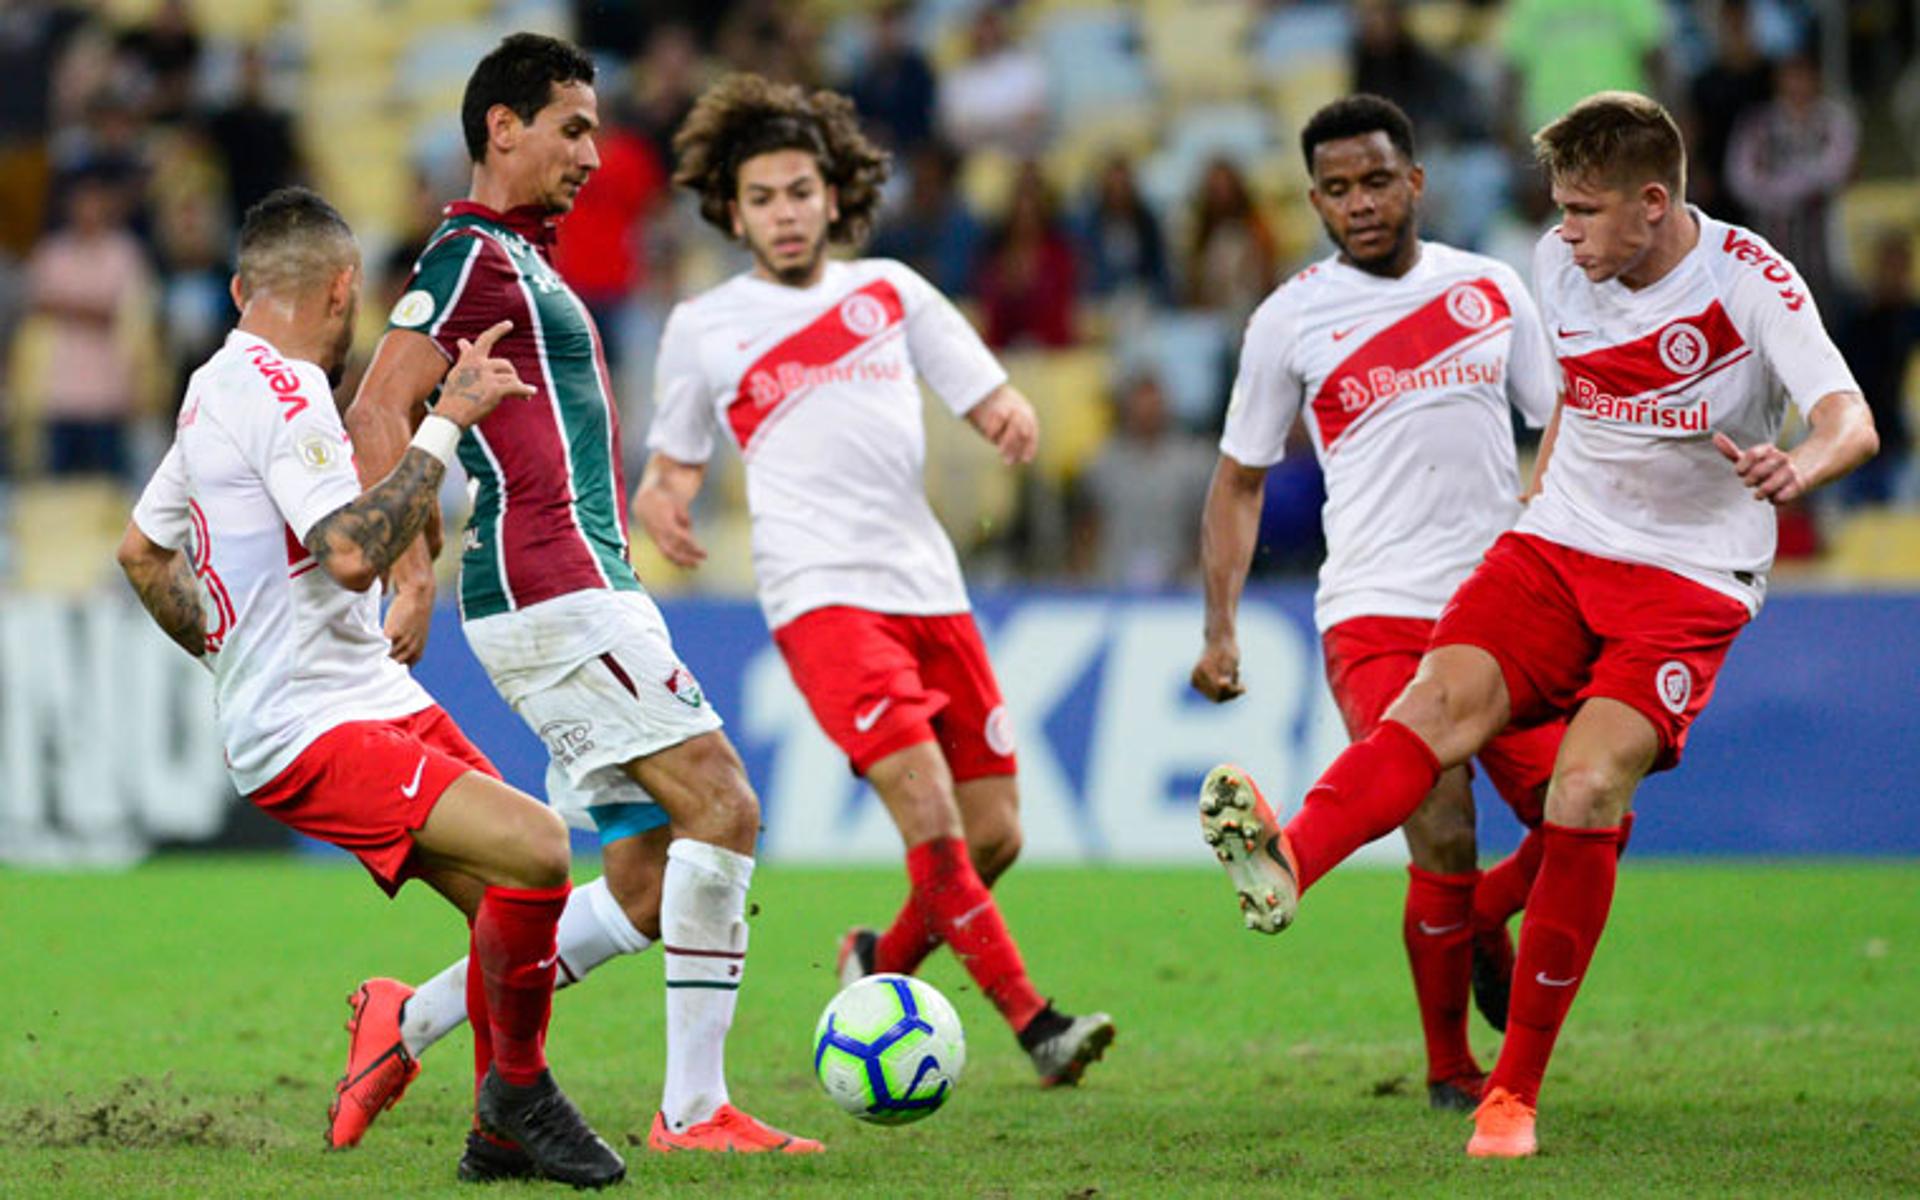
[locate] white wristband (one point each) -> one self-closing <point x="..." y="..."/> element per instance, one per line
<point x="438" y="436"/>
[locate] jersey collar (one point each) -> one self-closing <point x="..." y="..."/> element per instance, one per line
<point x="530" y="221"/>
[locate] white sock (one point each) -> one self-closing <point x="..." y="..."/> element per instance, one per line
<point x="593" y="929"/>
<point x="703" y="933"/>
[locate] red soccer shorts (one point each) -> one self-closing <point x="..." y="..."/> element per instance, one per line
<point x="365" y="786"/>
<point x="1370" y="661"/>
<point x="1566" y="626"/>
<point x="880" y="682"/>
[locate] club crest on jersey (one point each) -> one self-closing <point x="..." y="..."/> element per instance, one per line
<point x="318" y="452"/>
<point x="863" y="315"/>
<point x="999" y="731"/>
<point x="1674" y="683"/>
<point x="1468" y="305"/>
<point x="1683" y="349"/>
<point x="684" y="687"/>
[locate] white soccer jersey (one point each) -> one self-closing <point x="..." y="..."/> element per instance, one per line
<point x="258" y="457"/>
<point x="1717" y="345"/>
<point x="817" y="387"/>
<point x="1405" y="386"/>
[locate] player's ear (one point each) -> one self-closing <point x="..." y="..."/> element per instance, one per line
<point x="833" y="204"/>
<point x="503" y="127"/>
<point x="733" y="219"/>
<point x="1417" y="179"/>
<point x="238" y="293"/>
<point x="340" y="290"/>
<point x="1655" y="201"/>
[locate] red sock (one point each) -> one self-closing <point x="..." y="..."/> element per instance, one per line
<point x="907" y="942"/>
<point x="477" y="1018"/>
<point x="960" y="911"/>
<point x="514" y="946"/>
<point x="1440" y="951"/>
<point x="1566" y="912"/>
<point x="1368" y="792"/>
<point x="1503" y="887"/>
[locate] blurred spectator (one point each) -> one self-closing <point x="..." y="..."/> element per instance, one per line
<point x="88" y="282"/>
<point x="771" y="38"/>
<point x="1126" y="256"/>
<point x="1027" y="279"/>
<point x="601" y="250"/>
<point x="1232" y="259"/>
<point x="195" y="308"/>
<point x="665" y="83"/>
<point x="1879" y="340"/>
<point x="1143" y="493"/>
<point x="894" y="89"/>
<point x="108" y="142"/>
<point x="998" y="97"/>
<point x="1787" y="164"/>
<point x="1455" y="134"/>
<point x="167" y="50"/>
<point x="1562" y="51"/>
<point x="256" y="141"/>
<point x="1735" y="83"/>
<point x="32" y="38"/>
<point x="935" y="232"/>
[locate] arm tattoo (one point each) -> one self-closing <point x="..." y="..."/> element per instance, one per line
<point x="386" y="517"/>
<point x="171" y="594"/>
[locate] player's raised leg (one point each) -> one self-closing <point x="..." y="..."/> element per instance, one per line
<point x="1609" y="748"/>
<point x="703" y="787"/>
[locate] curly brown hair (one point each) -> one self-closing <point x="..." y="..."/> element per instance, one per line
<point x="744" y="115"/>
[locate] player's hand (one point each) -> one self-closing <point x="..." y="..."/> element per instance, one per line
<point x="1007" y="420"/>
<point x="408" y="618"/>
<point x="1766" y="468"/>
<point x="1217" y="675"/>
<point x="478" y="382"/>
<point x="669" y="523"/>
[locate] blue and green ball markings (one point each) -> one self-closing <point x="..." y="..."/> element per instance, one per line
<point x="889" y="1049"/>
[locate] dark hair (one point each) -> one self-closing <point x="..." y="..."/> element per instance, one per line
<point x="520" y="73"/>
<point x="1352" y="116"/>
<point x="743" y="116"/>
<point x="290" y="239"/>
<point x="1614" y="139"/>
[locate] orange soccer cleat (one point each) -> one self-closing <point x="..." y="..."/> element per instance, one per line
<point x="1502" y="1127"/>
<point x="1248" y="841"/>
<point x="378" y="1065"/>
<point x="728" y="1131"/>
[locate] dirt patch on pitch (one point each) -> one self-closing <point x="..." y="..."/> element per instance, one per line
<point x="140" y="1114"/>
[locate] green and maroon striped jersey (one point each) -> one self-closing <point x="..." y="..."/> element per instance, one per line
<point x="549" y="517"/>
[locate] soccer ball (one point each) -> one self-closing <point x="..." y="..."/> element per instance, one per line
<point x="889" y="1049"/>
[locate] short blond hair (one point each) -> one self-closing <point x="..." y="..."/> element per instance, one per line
<point x="1616" y="139"/>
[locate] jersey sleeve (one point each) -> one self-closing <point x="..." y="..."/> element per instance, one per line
<point x="162" y="512"/>
<point x="308" y="461"/>
<point x="447" y="295"/>
<point x="683" y="413"/>
<point x="1533" y="376"/>
<point x="946" y="351"/>
<point x="1267" y="390"/>
<point x="1792" y="341"/>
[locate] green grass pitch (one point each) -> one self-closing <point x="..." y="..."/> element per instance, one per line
<point x="1745" y="1030"/>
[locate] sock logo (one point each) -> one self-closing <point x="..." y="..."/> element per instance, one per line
<point x="1540" y="977"/>
<point x="1438" y="930"/>
<point x="1674" y="683"/>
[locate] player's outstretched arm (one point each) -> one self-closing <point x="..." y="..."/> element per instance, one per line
<point x="1840" y="437"/>
<point x="663" y="506"/>
<point x="1228" y="529"/>
<point x="1006" y="419"/>
<point x="359" y="541"/>
<point x="390" y="404"/>
<point x="165" y="583"/>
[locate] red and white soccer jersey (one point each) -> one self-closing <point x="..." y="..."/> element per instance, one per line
<point x="1405" y="386"/>
<point x="818" y="387"/>
<point x="258" y="457"/>
<point x="1717" y="345"/>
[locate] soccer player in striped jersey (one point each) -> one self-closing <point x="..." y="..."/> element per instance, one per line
<point x="554" y="612"/>
<point x="811" y="367"/>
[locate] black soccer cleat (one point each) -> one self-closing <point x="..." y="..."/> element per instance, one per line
<point x="1493" y="974"/>
<point x="549" y="1130"/>
<point x="1456" y="1095"/>
<point x="488" y="1160"/>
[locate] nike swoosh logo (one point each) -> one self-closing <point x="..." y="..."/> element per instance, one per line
<point x="1564" y="332"/>
<point x="413" y="789"/>
<point x="1342" y="334"/>
<point x="1437" y="930"/>
<point x="1540" y="977"/>
<point x="864" y="721"/>
<point x="967" y="917"/>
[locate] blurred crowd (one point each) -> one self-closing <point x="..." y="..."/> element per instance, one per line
<point x="1108" y="189"/>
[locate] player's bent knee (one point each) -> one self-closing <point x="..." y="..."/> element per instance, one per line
<point x="993" y="851"/>
<point x="1588" y="796"/>
<point x="548" y="855"/>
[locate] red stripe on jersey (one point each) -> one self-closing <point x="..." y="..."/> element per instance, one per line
<point x="801" y="361"/>
<point x="1373" y="374"/>
<point x="296" y="553"/>
<point x="1661" y="362"/>
<point x="541" y="551"/>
